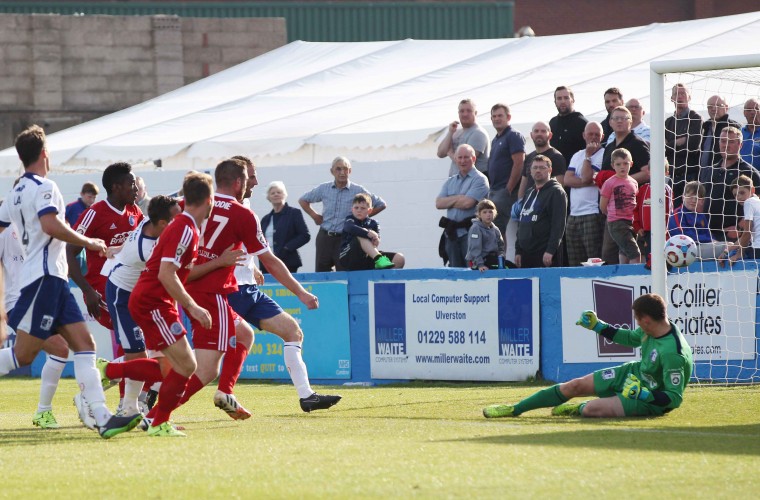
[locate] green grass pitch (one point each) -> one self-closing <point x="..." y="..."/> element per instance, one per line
<point x="419" y="440"/>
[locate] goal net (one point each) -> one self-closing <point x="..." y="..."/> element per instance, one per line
<point x="699" y="125"/>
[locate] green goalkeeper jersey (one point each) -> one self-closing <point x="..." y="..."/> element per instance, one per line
<point x="666" y="362"/>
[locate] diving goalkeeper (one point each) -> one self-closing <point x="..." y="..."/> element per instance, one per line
<point x="650" y="387"/>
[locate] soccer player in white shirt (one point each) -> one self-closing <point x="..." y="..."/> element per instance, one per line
<point x="45" y="306"/>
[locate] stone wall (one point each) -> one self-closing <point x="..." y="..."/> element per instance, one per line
<point x="60" y="71"/>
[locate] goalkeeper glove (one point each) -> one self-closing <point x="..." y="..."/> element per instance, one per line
<point x="632" y="389"/>
<point x="589" y="321"/>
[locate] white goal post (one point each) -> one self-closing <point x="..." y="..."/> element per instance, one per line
<point x="738" y="360"/>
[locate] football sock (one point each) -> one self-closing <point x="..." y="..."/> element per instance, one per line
<point x="297" y="369"/>
<point x="545" y="398"/>
<point x="132" y="390"/>
<point x="172" y="389"/>
<point x="194" y="385"/>
<point x="581" y="408"/>
<point x="88" y="379"/>
<point x="143" y="369"/>
<point x="51" y="374"/>
<point x="7" y="361"/>
<point x="232" y="365"/>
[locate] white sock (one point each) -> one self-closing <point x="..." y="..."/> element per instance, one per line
<point x="88" y="379"/>
<point x="156" y="387"/>
<point x="51" y="374"/>
<point x="7" y="361"/>
<point x="132" y="390"/>
<point x="297" y="369"/>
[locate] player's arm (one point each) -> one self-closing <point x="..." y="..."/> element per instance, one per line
<point x="167" y="275"/>
<point x="622" y="336"/>
<point x="306" y="206"/>
<point x="280" y="272"/>
<point x="230" y="257"/>
<point x="674" y="380"/>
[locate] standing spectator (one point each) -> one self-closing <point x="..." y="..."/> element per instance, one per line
<point x="542" y="218"/>
<point x="717" y="110"/>
<point x="618" y="202"/>
<point x="568" y="125"/>
<point x="638" y="126"/>
<point x="720" y="202"/>
<point x="541" y="134"/>
<point x="613" y="98"/>
<point x="642" y="217"/>
<point x="485" y="243"/>
<point x="624" y="138"/>
<point x="585" y="225"/>
<point x="682" y="141"/>
<point x="336" y="197"/>
<point x="750" y="151"/>
<point x="459" y="197"/>
<point x="470" y="133"/>
<point x="284" y="228"/>
<point x="143" y="200"/>
<point x="86" y="198"/>
<point x="504" y="164"/>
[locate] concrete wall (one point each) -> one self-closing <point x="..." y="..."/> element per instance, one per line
<point x="60" y="71"/>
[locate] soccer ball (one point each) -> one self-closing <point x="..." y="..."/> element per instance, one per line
<point x="680" y="251"/>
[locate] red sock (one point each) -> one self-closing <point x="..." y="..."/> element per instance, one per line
<point x="145" y="369"/>
<point x="231" y="368"/>
<point x="193" y="385"/>
<point x="171" y="392"/>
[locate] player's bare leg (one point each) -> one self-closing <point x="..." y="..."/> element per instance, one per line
<point x="603" y="408"/>
<point x="286" y="327"/>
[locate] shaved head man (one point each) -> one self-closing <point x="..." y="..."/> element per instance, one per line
<point x="717" y="110"/>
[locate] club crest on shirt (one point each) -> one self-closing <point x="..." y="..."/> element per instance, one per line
<point x="675" y="378"/>
<point x="233" y="342"/>
<point x="653" y="356"/>
<point x="176" y="328"/>
<point x="180" y="252"/>
<point x="131" y="220"/>
<point x="46" y="323"/>
<point x="137" y="332"/>
<point x="608" y="374"/>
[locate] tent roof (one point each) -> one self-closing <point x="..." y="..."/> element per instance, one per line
<point x="301" y="103"/>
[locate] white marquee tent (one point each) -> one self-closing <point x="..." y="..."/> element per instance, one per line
<point x="382" y="104"/>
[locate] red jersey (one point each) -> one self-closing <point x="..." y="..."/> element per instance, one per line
<point x="102" y="220"/>
<point x="642" y="217"/>
<point x="233" y="224"/>
<point x="178" y="244"/>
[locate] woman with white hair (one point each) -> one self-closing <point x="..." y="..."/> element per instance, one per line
<point x="284" y="228"/>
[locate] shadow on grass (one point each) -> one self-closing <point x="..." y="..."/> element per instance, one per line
<point x="39" y="437"/>
<point x="727" y="440"/>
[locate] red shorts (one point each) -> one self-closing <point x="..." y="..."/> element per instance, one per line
<point x="221" y="335"/>
<point x="160" y="323"/>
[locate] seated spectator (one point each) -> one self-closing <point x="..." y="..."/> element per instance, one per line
<point x="361" y="237"/>
<point x="284" y="228"/>
<point x="485" y="243"/>
<point x="748" y="245"/>
<point x="689" y="219"/>
<point x="618" y="202"/>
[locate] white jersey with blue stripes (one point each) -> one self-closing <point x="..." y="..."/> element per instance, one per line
<point x="30" y="199"/>
<point x="130" y="261"/>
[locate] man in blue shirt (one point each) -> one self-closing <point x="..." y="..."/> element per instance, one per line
<point x="86" y="198"/>
<point x="750" y="151"/>
<point x="336" y="197"/>
<point x="505" y="164"/>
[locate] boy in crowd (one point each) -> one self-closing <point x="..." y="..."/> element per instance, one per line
<point x="748" y="245"/>
<point x="361" y="238"/>
<point x="484" y="241"/>
<point x="621" y="190"/>
<point x="691" y="220"/>
<point x="642" y="216"/>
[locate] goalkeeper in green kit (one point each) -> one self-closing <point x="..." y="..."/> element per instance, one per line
<point x="650" y="387"/>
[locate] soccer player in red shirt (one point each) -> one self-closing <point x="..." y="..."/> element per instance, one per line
<point x="110" y="220"/>
<point x="153" y="303"/>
